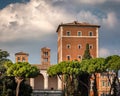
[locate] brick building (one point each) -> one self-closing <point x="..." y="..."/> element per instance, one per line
<point x="72" y="40"/>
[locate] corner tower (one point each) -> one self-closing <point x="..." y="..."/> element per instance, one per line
<point x="21" y="57"/>
<point x="72" y="40"/>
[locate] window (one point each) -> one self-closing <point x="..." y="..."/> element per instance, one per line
<point x="79" y="46"/>
<point x="23" y="59"/>
<point x="90" y="33"/>
<point x="68" y="33"/>
<point x="45" y="53"/>
<point x="90" y="46"/>
<point x="109" y="83"/>
<point x="18" y="58"/>
<point x="68" y="57"/>
<point x="103" y="83"/>
<point x="79" y="57"/>
<point x="79" y="34"/>
<point x="68" y="46"/>
<point x="46" y="60"/>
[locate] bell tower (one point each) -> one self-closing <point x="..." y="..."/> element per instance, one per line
<point x="21" y="57"/>
<point x="45" y="56"/>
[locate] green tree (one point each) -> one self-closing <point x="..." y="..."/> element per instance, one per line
<point x="93" y="66"/>
<point x="67" y="71"/>
<point x="113" y="65"/>
<point x="87" y="53"/>
<point x="3" y="79"/>
<point x="84" y="78"/>
<point x="20" y="71"/>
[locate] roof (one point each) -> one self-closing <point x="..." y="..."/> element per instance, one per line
<point x="41" y="66"/>
<point x="75" y="23"/>
<point x="21" y="53"/>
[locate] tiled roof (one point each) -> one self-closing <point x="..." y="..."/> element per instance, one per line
<point x="75" y="23"/>
<point x="42" y="66"/>
<point x="21" y="53"/>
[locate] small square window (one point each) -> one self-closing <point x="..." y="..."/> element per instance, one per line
<point x="68" y="33"/>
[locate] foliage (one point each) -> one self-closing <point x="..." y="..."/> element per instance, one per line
<point x="87" y="53"/>
<point x="22" y="69"/>
<point x="113" y="65"/>
<point x="68" y="72"/>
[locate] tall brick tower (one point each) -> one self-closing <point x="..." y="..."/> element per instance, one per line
<point x="21" y="57"/>
<point x="72" y="40"/>
<point x="45" y="56"/>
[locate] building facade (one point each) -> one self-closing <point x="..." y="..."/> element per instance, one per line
<point x="72" y="40"/>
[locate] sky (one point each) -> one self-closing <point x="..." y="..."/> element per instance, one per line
<point x="29" y="25"/>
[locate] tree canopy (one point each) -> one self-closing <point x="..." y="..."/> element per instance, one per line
<point x="22" y="69"/>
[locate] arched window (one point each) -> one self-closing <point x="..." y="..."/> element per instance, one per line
<point x="68" y="46"/>
<point x="79" y="33"/>
<point x="68" y="57"/>
<point x="90" y="33"/>
<point x="79" y="46"/>
<point x="68" y="33"/>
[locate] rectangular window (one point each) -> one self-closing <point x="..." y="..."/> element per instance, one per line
<point x="79" y="34"/>
<point x="23" y="59"/>
<point x="68" y="33"/>
<point x="18" y="58"/>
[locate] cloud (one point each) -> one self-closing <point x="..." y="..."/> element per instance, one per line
<point x="92" y="2"/>
<point x="104" y="52"/>
<point x="30" y="20"/>
<point x="109" y="19"/>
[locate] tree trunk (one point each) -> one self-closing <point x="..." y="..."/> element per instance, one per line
<point x="18" y="80"/>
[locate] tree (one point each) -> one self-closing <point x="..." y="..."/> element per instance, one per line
<point x="20" y="71"/>
<point x="92" y="67"/>
<point x="3" y="78"/>
<point x="67" y="71"/>
<point x="87" y="53"/>
<point x="3" y="59"/>
<point x="113" y="65"/>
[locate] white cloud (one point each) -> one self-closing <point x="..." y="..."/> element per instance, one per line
<point x="37" y="17"/>
<point x="104" y="52"/>
<point x="110" y="21"/>
<point x="33" y="19"/>
<point x="91" y="1"/>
